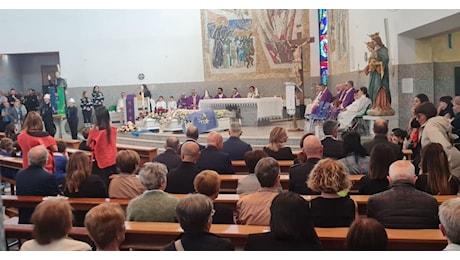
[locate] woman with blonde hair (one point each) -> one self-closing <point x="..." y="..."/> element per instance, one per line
<point x="436" y="178"/>
<point x="333" y="208"/>
<point x="32" y="134"/>
<point x="52" y="221"/>
<point x="80" y="183"/>
<point x="276" y="148"/>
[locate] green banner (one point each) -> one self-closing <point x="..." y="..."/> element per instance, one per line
<point x="60" y="101"/>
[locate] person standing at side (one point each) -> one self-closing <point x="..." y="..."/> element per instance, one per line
<point x="72" y="118"/>
<point x="86" y="105"/>
<point x="46" y="112"/>
<point x="102" y="139"/>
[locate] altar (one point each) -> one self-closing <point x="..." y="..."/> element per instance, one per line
<point x="251" y="111"/>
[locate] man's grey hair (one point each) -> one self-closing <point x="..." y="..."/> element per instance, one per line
<point x="449" y="216"/>
<point x="267" y="171"/>
<point x="402" y="170"/>
<point x="329" y="126"/>
<point x="152" y="175"/>
<point x="38" y="156"/>
<point x="194" y="212"/>
<point x="235" y="127"/>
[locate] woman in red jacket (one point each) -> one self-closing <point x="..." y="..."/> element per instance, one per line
<point x="102" y="139"/>
<point x="32" y="134"/>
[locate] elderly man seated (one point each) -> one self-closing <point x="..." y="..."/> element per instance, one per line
<point x="402" y="205"/>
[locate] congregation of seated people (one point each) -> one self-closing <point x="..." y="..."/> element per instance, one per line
<point x="401" y="190"/>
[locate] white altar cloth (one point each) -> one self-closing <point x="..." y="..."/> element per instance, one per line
<point x="267" y="107"/>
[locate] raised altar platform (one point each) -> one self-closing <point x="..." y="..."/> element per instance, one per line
<point x="251" y="111"/>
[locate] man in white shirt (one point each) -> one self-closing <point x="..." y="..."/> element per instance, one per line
<point x="121" y="102"/>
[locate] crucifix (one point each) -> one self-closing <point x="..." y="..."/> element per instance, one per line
<point x="296" y="47"/>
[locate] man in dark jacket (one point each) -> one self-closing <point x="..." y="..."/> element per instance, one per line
<point x="180" y="179"/>
<point x="35" y="180"/>
<point x="381" y="131"/>
<point x="298" y="174"/>
<point x="403" y="206"/>
<point x="234" y="146"/>
<point x="194" y="213"/>
<point x="170" y="156"/>
<point x="31" y="101"/>
<point x="46" y="112"/>
<point x="212" y="157"/>
<point x="332" y="148"/>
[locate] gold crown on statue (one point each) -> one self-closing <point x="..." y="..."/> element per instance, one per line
<point x="374" y="36"/>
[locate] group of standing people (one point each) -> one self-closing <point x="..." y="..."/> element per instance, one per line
<point x="88" y="104"/>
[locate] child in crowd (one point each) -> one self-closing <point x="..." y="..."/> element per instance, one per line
<point x="7" y="149"/>
<point x="83" y="145"/>
<point x="60" y="162"/>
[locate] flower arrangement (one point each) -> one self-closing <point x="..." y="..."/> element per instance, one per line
<point x="164" y="117"/>
<point x="128" y="127"/>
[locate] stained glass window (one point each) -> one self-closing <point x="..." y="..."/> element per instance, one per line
<point x="323" y="50"/>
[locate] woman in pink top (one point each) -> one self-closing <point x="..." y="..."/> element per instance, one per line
<point x="102" y="139"/>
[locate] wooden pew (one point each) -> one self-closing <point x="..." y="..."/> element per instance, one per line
<point x="154" y="235"/>
<point x="12" y="184"/>
<point x="229" y="182"/>
<point x="229" y="199"/>
<point x="70" y="142"/>
<point x="240" y="165"/>
<point x="71" y="151"/>
<point x="146" y="153"/>
<point x="77" y="203"/>
<point x="11" y="162"/>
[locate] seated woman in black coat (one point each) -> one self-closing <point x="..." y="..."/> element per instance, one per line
<point x="382" y="156"/>
<point x="80" y="183"/>
<point x="276" y="148"/>
<point x="333" y="208"/>
<point x="288" y="231"/>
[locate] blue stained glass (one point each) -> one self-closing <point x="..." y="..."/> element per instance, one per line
<point x="324" y="75"/>
<point x="323" y="47"/>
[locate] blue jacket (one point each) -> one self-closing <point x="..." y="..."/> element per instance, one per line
<point x="34" y="181"/>
<point x="236" y="148"/>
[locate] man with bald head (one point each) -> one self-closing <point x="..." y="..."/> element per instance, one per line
<point x="402" y="205"/>
<point x="180" y="179"/>
<point x="35" y="180"/>
<point x="298" y="174"/>
<point x="212" y="157"/>
<point x="380" y="136"/>
<point x="170" y="157"/>
<point x="192" y="135"/>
